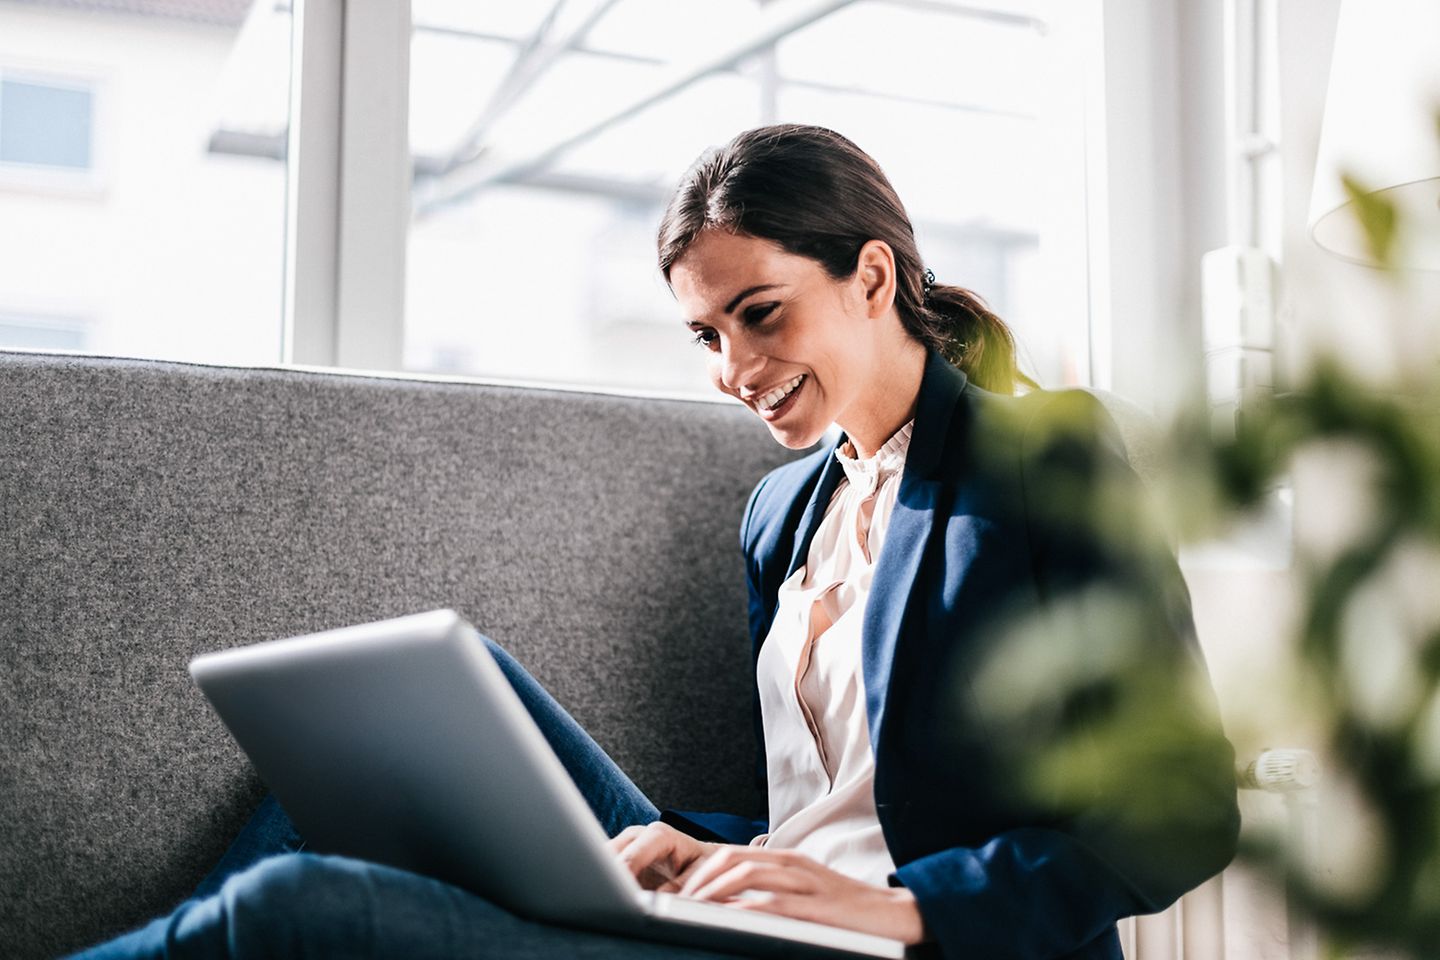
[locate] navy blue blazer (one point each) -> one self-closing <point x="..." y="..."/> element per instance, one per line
<point x="988" y="520"/>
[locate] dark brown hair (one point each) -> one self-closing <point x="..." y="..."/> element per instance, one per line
<point x="817" y="195"/>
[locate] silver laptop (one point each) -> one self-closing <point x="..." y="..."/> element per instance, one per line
<point x="402" y="742"/>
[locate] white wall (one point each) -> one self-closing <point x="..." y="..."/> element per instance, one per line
<point x="170" y="251"/>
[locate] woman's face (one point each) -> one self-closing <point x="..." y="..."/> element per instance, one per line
<point x="796" y="346"/>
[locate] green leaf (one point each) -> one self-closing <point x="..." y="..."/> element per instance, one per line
<point x="1377" y="217"/>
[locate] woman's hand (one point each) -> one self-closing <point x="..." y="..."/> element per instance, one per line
<point x="660" y="856"/>
<point x="771" y="881"/>
<point x="793" y="885"/>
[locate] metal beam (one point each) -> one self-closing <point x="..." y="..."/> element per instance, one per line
<point x="537" y="56"/>
<point x="491" y="36"/>
<point x="944" y="7"/>
<point x="847" y="90"/>
<point x="777" y="20"/>
<point x="638" y="192"/>
<point x="271" y="146"/>
<point x="966" y="10"/>
<point x="530" y="49"/>
<point x="510" y="86"/>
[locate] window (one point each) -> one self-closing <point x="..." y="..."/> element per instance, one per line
<point x="43" y="333"/>
<point x="512" y="236"/>
<point x="45" y="124"/>
<point x="142" y="182"/>
<point x="546" y="139"/>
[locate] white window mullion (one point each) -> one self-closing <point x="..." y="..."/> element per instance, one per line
<point x="348" y="189"/>
<point x="312" y="183"/>
<point x="1137" y="252"/>
<point x="375" y="175"/>
<point x="1073" y="228"/>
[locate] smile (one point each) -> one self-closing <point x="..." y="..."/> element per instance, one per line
<point x="778" y="396"/>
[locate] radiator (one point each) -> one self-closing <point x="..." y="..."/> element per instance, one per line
<point x="1241" y="914"/>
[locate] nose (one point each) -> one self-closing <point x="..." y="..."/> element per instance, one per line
<point x="739" y="363"/>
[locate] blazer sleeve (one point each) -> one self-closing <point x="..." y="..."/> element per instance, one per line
<point x="1109" y="847"/>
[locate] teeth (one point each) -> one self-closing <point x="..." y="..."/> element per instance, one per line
<point x="773" y="398"/>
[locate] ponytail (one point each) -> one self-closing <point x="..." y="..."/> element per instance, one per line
<point x="958" y="323"/>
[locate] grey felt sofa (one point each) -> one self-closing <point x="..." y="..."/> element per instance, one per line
<point x="150" y="511"/>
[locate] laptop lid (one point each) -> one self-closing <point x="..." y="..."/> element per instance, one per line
<point x="402" y="742"/>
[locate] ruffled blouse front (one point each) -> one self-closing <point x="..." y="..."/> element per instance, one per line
<point x="819" y="762"/>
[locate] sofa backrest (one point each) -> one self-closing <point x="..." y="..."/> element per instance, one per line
<point x="151" y="511"/>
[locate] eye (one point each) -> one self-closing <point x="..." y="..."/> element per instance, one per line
<point x="705" y="337"/>
<point x="759" y="312"/>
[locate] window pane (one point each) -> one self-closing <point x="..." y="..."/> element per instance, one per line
<point x="44" y="124"/>
<point x="41" y="333"/>
<point x="545" y="270"/>
<point x="142" y="177"/>
<point x="958" y="58"/>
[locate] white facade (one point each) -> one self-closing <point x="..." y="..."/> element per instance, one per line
<point x="164" y="249"/>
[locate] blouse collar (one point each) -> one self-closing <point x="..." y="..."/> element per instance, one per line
<point x="869" y="473"/>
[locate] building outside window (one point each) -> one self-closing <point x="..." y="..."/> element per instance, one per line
<point x="125" y="231"/>
<point x="45" y="124"/>
<point x="43" y="333"/>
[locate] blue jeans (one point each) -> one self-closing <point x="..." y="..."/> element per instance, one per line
<point x="268" y="898"/>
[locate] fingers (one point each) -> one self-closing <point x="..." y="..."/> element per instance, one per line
<point x="640" y="848"/>
<point x="624" y="838"/>
<point x="683" y="877"/>
<point x="732" y="869"/>
<point x="796" y="907"/>
<point x="793" y="885"/>
<point x="654" y="852"/>
<point x="753" y="875"/>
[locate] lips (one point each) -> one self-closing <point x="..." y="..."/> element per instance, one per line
<point x="777" y="402"/>
<point x="775" y="397"/>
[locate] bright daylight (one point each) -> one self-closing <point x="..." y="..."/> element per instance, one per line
<point x="691" y="479"/>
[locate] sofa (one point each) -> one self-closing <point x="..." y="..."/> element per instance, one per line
<point x="152" y="511"/>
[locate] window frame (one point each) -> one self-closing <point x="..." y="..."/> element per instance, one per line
<point x="48" y="321"/>
<point x="345" y="269"/>
<point x="53" y="179"/>
<point x="348" y="184"/>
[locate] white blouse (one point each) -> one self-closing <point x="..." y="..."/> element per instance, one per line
<point x="820" y="766"/>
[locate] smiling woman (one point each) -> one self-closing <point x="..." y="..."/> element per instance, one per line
<point x="877" y="572"/>
<point x="800" y="349"/>
<point x="813" y="194"/>
<point x="878" y="569"/>
<point x="801" y="230"/>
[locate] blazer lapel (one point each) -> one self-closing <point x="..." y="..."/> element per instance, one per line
<point x="830" y="476"/>
<point x="898" y="566"/>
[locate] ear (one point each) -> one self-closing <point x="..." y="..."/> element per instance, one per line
<point x="875" y="275"/>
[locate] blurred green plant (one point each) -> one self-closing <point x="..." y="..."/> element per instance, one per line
<point x="1370" y="593"/>
<point x="1349" y="598"/>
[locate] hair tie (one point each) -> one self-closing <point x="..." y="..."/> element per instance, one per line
<point x="927" y="283"/>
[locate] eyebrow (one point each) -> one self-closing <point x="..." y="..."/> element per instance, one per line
<point x="730" y="307"/>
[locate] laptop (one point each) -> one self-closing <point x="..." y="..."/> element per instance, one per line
<point x="401" y="742"/>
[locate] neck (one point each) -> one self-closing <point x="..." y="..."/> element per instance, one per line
<point x="890" y="400"/>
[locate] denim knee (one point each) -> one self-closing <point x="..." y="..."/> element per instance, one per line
<point x="276" y="881"/>
<point x="292" y="905"/>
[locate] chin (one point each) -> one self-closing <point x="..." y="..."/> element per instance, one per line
<point x="794" y="439"/>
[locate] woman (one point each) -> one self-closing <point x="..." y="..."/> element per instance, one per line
<point x="878" y="572"/>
